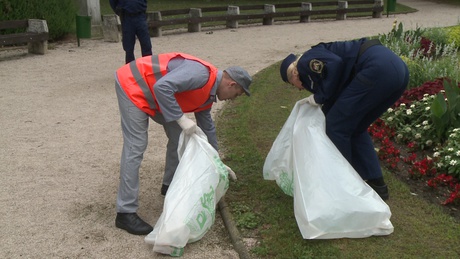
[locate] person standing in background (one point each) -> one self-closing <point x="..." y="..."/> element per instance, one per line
<point x="133" y="18"/>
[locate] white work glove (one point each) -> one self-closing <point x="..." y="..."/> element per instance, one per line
<point x="187" y="125"/>
<point x="231" y="173"/>
<point x="310" y="100"/>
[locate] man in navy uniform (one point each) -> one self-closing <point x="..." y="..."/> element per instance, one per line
<point x="354" y="82"/>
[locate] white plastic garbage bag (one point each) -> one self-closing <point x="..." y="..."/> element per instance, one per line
<point x="201" y="179"/>
<point x="330" y="198"/>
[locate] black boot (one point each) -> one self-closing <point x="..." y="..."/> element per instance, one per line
<point x="381" y="190"/>
<point x="132" y="223"/>
<point x="164" y="189"/>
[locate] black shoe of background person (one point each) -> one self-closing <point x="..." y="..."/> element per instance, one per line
<point x="381" y="190"/>
<point x="132" y="223"/>
<point x="164" y="189"/>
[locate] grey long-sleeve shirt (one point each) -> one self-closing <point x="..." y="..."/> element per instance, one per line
<point x="185" y="75"/>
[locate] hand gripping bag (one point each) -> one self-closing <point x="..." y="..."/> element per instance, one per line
<point x="330" y="198"/>
<point x="200" y="180"/>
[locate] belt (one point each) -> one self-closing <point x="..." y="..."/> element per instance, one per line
<point x="367" y="45"/>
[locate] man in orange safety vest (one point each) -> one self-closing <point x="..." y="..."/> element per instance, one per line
<point x="164" y="87"/>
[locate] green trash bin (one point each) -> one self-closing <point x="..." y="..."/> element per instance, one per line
<point x="391" y="6"/>
<point x="83" y="27"/>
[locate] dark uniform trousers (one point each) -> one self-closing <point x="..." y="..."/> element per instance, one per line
<point x="132" y="25"/>
<point x="381" y="78"/>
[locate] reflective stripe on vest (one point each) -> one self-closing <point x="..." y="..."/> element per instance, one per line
<point x="141" y="82"/>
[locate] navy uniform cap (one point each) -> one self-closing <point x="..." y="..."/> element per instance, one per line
<point x="284" y="66"/>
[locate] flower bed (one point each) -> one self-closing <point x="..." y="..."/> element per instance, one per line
<point x="407" y="144"/>
<point x="419" y="137"/>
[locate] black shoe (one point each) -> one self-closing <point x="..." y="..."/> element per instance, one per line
<point x="381" y="190"/>
<point x="164" y="189"/>
<point x="132" y="223"/>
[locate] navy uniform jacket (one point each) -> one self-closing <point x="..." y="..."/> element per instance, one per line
<point x="328" y="67"/>
<point x="129" y="6"/>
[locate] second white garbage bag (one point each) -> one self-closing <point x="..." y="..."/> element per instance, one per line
<point x="200" y="181"/>
<point x="330" y="198"/>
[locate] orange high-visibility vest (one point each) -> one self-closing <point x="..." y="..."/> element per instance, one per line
<point x="138" y="79"/>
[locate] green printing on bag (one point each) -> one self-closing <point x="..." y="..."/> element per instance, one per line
<point x="177" y="251"/>
<point x="207" y="203"/>
<point x="287" y="183"/>
<point x="205" y="211"/>
<point x="222" y="170"/>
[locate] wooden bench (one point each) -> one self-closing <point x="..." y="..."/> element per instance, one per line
<point x="35" y="34"/>
<point x="230" y="15"/>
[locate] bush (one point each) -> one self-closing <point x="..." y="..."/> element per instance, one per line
<point x="426" y="117"/>
<point x="454" y="35"/>
<point x="428" y="53"/>
<point x="59" y="14"/>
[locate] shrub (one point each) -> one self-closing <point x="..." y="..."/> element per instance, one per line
<point x="445" y="109"/>
<point x="425" y="57"/>
<point x="59" y="14"/>
<point x="448" y="157"/>
<point x="454" y="35"/>
<point x="412" y="123"/>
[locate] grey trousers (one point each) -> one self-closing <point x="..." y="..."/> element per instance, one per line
<point x="134" y="125"/>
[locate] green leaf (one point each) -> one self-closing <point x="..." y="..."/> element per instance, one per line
<point x="439" y="115"/>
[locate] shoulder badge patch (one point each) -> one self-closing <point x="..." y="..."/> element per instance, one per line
<point x="316" y="66"/>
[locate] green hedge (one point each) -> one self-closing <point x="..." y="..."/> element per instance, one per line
<point x="59" y="14"/>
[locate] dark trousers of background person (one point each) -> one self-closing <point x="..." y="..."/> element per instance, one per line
<point x="133" y="25"/>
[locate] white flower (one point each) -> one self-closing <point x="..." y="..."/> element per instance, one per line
<point x="418" y="135"/>
<point x="417" y="126"/>
<point x="427" y="108"/>
<point x="456" y="129"/>
<point x="440" y="165"/>
<point x="400" y="136"/>
<point x="425" y="122"/>
<point x="408" y="111"/>
<point x="390" y="110"/>
<point x="397" y="112"/>
<point x="453" y="162"/>
<point x="408" y="129"/>
<point x="450" y="149"/>
<point x="436" y="154"/>
<point x="412" y="106"/>
<point x="452" y="135"/>
<point x="429" y="142"/>
<point x="403" y="105"/>
<point x="427" y="127"/>
<point x="447" y="157"/>
<point x="390" y="119"/>
<point x="457" y="153"/>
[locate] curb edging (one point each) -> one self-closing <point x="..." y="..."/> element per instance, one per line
<point x="235" y="235"/>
